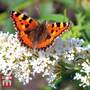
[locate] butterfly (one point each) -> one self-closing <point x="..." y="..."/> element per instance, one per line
<point x="35" y="34"/>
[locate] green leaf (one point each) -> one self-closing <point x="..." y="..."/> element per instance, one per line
<point x="55" y="17"/>
<point x="67" y="2"/>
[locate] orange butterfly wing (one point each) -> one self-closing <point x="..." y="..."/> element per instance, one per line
<point x="55" y="30"/>
<point x="24" y="23"/>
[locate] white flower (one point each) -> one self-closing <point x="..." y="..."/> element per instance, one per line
<point x="69" y="55"/>
<point x="85" y="79"/>
<point x="41" y="63"/>
<point x="86" y="67"/>
<point x="24" y="62"/>
<point x="11" y="52"/>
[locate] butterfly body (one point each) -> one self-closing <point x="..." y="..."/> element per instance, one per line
<point x="35" y="34"/>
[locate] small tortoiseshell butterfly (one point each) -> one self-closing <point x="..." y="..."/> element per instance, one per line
<point x="35" y="34"/>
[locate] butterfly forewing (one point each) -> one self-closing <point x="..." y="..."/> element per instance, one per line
<point x="58" y="28"/>
<point x="23" y="22"/>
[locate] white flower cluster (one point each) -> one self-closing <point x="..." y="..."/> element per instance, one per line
<point x="24" y="62"/>
<point x="13" y="57"/>
<point x="84" y="79"/>
<point x="42" y="63"/>
<point x="21" y="61"/>
<point x="70" y="51"/>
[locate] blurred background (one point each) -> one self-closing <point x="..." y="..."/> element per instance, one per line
<point x="77" y="11"/>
